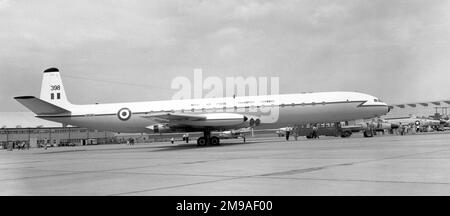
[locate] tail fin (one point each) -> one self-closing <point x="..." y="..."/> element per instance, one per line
<point x="52" y="89"/>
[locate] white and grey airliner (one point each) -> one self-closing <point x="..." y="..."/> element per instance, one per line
<point x="203" y="115"/>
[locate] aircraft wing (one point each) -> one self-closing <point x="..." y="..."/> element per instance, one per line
<point x="211" y="120"/>
<point x="169" y="116"/>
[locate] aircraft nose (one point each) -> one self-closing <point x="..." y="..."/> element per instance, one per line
<point x="384" y="109"/>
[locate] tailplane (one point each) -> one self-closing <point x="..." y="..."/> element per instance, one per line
<point x="41" y="107"/>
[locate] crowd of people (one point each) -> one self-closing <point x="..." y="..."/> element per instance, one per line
<point x="130" y="141"/>
<point x="20" y="145"/>
<point x="404" y="129"/>
<point x="296" y="133"/>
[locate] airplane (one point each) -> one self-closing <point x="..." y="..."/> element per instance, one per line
<point x="410" y="120"/>
<point x="234" y="134"/>
<point x="200" y="115"/>
<point x="281" y="132"/>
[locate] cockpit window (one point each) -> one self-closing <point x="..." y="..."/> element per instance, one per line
<point x="377" y="100"/>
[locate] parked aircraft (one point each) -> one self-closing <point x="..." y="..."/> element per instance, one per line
<point x="412" y="120"/>
<point x="204" y="115"/>
<point x="282" y="131"/>
<point x="234" y="134"/>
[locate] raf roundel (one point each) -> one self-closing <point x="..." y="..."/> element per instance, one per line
<point x="124" y="114"/>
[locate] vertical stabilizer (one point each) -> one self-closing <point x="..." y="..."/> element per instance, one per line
<point x="52" y="89"/>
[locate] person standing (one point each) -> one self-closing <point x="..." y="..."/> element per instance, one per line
<point x="287" y="134"/>
<point x="10" y="146"/>
<point x="296" y="128"/>
<point x="315" y="130"/>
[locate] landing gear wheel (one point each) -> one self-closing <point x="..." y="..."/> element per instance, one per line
<point x="346" y="134"/>
<point x="201" y="141"/>
<point x="368" y="133"/>
<point x="215" y="141"/>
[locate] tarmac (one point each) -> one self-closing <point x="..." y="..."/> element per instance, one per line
<point x="382" y="165"/>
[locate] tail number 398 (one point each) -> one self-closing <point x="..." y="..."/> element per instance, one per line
<point x="55" y="87"/>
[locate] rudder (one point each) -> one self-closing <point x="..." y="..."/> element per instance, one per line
<point x="52" y="89"/>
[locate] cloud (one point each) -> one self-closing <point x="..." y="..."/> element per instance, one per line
<point x="253" y="9"/>
<point x="313" y="45"/>
<point x="4" y="4"/>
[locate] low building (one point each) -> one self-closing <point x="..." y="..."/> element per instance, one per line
<point x="17" y="128"/>
<point x="23" y="127"/>
<point x="54" y="136"/>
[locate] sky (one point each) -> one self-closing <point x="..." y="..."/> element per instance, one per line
<point x="123" y="51"/>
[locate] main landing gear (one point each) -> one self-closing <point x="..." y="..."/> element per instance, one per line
<point x="368" y="133"/>
<point x="207" y="139"/>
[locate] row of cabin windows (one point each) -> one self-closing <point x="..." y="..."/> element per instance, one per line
<point x="52" y="96"/>
<point x="246" y="107"/>
<point x="293" y="104"/>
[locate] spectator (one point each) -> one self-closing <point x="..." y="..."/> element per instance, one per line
<point x="315" y="132"/>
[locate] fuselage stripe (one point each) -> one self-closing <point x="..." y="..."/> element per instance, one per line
<point x="226" y="108"/>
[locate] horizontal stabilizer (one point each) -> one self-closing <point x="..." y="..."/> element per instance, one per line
<point x="40" y="107"/>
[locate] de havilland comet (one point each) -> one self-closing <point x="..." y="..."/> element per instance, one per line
<point x="202" y="115"/>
